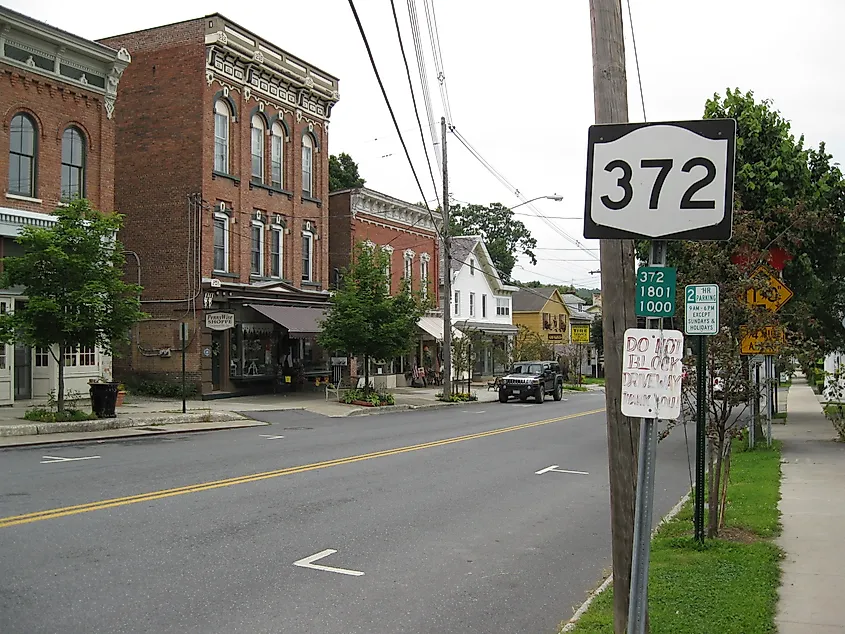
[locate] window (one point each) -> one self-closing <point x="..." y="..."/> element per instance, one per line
<point x="221" y="137"/>
<point x="472" y="304"/>
<point x="471" y="266"/>
<point x="409" y="263"/>
<point x="307" y="255"/>
<point x="457" y="309"/>
<point x="221" y="242"/>
<point x="70" y="356"/>
<point x="73" y="164"/>
<point x="87" y="356"/>
<point x="277" y="149"/>
<point x="256" y="254"/>
<point x="257" y="144"/>
<point x="547" y="321"/>
<point x="307" y="174"/>
<point x="561" y="322"/>
<point x="276" y="251"/>
<point x="388" y="267"/>
<point x="22" y="145"/>
<point x="503" y="306"/>
<point x="484" y="305"/>
<point x="42" y="357"/>
<point x="424" y="275"/>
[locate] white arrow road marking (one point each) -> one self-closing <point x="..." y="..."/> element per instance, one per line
<point x="554" y="468"/>
<point x="308" y="562"/>
<point x="268" y="437"/>
<point x="54" y="459"/>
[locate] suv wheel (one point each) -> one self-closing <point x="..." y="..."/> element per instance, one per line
<point x="558" y="393"/>
<point x="503" y="396"/>
<point x="540" y="394"/>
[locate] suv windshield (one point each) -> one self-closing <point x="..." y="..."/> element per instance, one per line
<point x="527" y="368"/>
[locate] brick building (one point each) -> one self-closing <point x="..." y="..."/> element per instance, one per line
<point x="57" y="102"/>
<point x="408" y="233"/>
<point x="222" y="172"/>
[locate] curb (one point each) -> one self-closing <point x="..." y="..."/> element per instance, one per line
<point x="572" y="622"/>
<point x="33" y="429"/>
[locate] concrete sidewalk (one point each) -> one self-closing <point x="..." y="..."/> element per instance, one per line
<point x="813" y="514"/>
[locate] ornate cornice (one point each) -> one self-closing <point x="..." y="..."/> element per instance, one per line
<point x="382" y="208"/>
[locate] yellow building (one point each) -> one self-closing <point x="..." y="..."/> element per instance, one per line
<point x="543" y="311"/>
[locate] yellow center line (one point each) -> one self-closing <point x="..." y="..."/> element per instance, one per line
<point x="64" y="511"/>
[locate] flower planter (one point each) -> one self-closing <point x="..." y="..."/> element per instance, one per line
<point x="364" y="403"/>
<point x="121" y="394"/>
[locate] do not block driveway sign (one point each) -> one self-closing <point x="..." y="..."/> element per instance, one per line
<point x="667" y="181"/>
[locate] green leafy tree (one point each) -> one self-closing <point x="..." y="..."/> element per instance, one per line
<point x="343" y="173"/>
<point x="72" y="272"/>
<point x="364" y="319"/>
<point x="505" y="237"/>
<point x="529" y="346"/>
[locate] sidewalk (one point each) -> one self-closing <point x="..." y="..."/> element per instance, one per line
<point x="813" y="514"/>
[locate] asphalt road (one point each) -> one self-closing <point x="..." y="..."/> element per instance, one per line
<point x="442" y="511"/>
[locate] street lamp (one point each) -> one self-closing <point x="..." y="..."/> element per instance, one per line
<point x="554" y="197"/>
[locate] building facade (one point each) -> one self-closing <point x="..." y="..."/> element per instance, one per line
<point x="481" y="305"/>
<point x="409" y="235"/>
<point x="222" y="173"/>
<point x="543" y="311"/>
<point x="57" y="99"/>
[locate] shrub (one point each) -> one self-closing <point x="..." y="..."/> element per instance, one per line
<point x="45" y="415"/>
<point x="457" y="397"/>
<point x="162" y="389"/>
<point x="377" y="399"/>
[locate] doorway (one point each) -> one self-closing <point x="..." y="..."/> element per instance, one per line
<point x="217" y="349"/>
<point x="23" y="372"/>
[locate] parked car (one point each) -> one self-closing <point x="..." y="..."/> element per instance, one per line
<point x="532" y="379"/>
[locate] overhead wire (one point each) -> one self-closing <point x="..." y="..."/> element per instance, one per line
<point x="426" y="90"/>
<point x="636" y="58"/>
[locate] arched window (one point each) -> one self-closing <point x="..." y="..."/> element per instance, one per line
<point x="307" y="169"/>
<point x="22" y="153"/>
<point x="277" y="154"/>
<point x="257" y="129"/>
<point x="222" y="116"/>
<point x="73" y="164"/>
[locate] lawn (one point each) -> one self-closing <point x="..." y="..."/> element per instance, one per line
<point x="589" y="380"/>
<point x="729" y="585"/>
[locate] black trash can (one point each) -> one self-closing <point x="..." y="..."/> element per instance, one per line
<point x="103" y="399"/>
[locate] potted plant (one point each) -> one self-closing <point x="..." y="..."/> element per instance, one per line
<point x="121" y="394"/>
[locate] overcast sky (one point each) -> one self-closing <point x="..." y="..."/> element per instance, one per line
<point x="519" y="80"/>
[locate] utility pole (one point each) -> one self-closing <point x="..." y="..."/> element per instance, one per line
<point x="610" y="90"/>
<point x="447" y="273"/>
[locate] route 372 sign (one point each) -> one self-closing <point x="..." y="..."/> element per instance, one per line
<point x="668" y="181"/>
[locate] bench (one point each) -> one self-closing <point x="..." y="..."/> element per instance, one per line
<point x="494" y="384"/>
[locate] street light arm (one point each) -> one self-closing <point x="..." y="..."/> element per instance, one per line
<point x="554" y="197"/>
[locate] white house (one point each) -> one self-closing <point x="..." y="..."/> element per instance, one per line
<point x="481" y="303"/>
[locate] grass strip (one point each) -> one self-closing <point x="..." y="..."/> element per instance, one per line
<point x="729" y="585"/>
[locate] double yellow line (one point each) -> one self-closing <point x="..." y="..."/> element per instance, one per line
<point x="65" y="511"/>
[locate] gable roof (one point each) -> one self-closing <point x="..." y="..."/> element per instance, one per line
<point x="462" y="247"/>
<point x="465" y="247"/>
<point x="573" y="300"/>
<point x="532" y="300"/>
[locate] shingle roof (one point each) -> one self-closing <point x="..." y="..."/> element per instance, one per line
<point x="573" y="300"/>
<point x="462" y="246"/>
<point x="532" y="300"/>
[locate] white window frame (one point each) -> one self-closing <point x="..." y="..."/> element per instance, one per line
<point x="257" y="132"/>
<point x="225" y="219"/>
<point x="409" y="267"/>
<point x="456" y="304"/>
<point x="472" y="266"/>
<point x="424" y="274"/>
<point x="277" y="156"/>
<point x="307" y="174"/>
<point x="472" y="304"/>
<point x="388" y="269"/>
<point x="503" y="307"/>
<point x="42" y="357"/>
<point x="280" y="257"/>
<point x="260" y="226"/>
<point x="222" y="129"/>
<point x="484" y="305"/>
<point x="310" y="277"/>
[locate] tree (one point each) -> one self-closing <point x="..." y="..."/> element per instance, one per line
<point x="529" y="346"/>
<point x="364" y="319"/>
<point x="343" y="173"/>
<point x="597" y="338"/>
<point x="72" y="272"/>
<point x="503" y="235"/>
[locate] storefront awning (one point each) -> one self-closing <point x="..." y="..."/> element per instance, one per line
<point x="488" y="328"/>
<point x="434" y="327"/>
<point x="300" y="322"/>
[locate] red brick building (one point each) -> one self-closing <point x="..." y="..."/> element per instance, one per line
<point x="222" y="172"/>
<point x="408" y="233"/>
<point x="57" y="103"/>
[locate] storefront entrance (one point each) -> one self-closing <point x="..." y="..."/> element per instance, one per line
<point x="23" y="372"/>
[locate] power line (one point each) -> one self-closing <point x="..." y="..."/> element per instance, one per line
<point x="636" y="58"/>
<point x="423" y="73"/>
<point x="389" y="107"/>
<point x="434" y="37"/>
<point x="413" y="96"/>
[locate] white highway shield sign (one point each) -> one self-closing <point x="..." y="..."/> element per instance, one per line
<point x="670" y="181"/>
<point x="701" y="316"/>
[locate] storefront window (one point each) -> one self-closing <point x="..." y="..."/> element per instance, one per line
<point x="253" y="351"/>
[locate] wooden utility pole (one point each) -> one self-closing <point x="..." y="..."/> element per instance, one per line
<point x="618" y="279"/>
<point x="447" y="273"/>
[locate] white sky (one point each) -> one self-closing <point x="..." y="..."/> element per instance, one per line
<point x="519" y="77"/>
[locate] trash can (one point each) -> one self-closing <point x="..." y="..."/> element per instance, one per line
<point x="103" y="399"/>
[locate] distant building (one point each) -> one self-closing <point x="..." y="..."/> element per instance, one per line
<point x="409" y="234"/>
<point x="222" y="172"/>
<point x="57" y="96"/>
<point x="543" y="311"/>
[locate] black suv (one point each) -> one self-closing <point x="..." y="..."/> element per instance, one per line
<point x="532" y="378"/>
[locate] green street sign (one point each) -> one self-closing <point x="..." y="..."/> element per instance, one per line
<point x="656" y="291"/>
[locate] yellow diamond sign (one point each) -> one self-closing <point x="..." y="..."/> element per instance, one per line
<point x="773" y="293"/>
